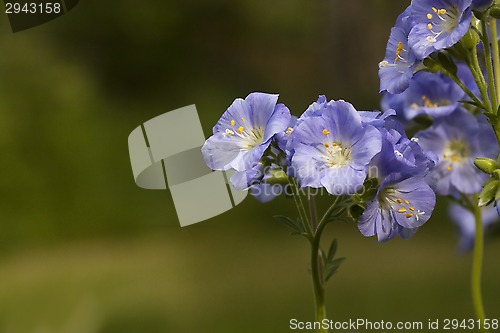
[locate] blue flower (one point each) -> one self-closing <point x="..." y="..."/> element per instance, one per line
<point x="399" y="208"/>
<point x="399" y="155"/>
<point x="244" y="132"/>
<point x="438" y="24"/>
<point x="429" y="94"/>
<point x="465" y="222"/>
<point x="397" y="68"/>
<point x="332" y="150"/>
<point x="455" y="141"/>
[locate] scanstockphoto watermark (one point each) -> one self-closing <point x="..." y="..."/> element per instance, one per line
<point x="363" y="325"/>
<point x="277" y="182"/>
<point x="356" y="325"/>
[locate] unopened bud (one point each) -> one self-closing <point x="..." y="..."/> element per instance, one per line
<point x="486" y="164"/>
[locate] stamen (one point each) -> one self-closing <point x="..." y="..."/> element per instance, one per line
<point x="242" y="120"/>
<point x="327" y="145"/>
<point x="289" y="131"/>
<point x="409" y="215"/>
<point x="399" y="49"/>
<point x="429" y="16"/>
<point x="412" y="209"/>
<point x="407" y="202"/>
<point x="240" y="129"/>
<point x="429" y="26"/>
<point x="441" y="11"/>
<point x="229" y="132"/>
<point x="399" y="201"/>
<point x="402" y="210"/>
<point x="326" y="132"/>
<point x="233" y="122"/>
<point x="383" y="63"/>
<point x="434" y="9"/>
<point x="448" y="168"/>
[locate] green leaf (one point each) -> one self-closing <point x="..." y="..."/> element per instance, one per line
<point x="332" y="250"/>
<point x="331" y="268"/>
<point x="296" y="225"/>
<point x="355" y="211"/>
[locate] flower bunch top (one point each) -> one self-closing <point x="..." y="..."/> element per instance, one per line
<point x="331" y="146"/>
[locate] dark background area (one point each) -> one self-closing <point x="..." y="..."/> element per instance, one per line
<point x="83" y="249"/>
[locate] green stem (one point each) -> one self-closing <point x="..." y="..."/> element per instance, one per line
<point x="475" y="69"/>
<point x="300" y="208"/>
<point x="496" y="57"/>
<point x="316" y="260"/>
<point x="316" y="268"/>
<point x="489" y="66"/>
<point x="469" y="93"/>
<point x="477" y="265"/>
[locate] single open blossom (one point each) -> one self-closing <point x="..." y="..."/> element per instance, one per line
<point x="244" y="132"/>
<point x="455" y="141"/>
<point x="333" y="150"/>
<point x="465" y="222"/>
<point x="397" y="68"/>
<point x="399" y="208"/>
<point x="438" y="24"/>
<point x="429" y="94"/>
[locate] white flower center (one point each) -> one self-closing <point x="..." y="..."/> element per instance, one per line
<point x="455" y="152"/>
<point x="337" y="155"/>
<point x="441" y="20"/>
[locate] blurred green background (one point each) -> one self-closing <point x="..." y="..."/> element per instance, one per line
<point x="83" y="250"/>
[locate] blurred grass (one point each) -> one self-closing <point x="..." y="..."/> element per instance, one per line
<point x="82" y="249"/>
<point x="232" y="278"/>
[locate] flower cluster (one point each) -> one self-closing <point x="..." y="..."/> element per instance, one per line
<point x="430" y="75"/>
<point x="331" y="146"/>
<point x="426" y="26"/>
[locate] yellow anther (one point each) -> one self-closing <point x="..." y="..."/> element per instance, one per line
<point x="409" y="215"/>
<point x="402" y="210"/>
<point x="242" y="120"/>
<point x="445" y="156"/>
<point x="289" y="131"/>
<point x="399" y="201"/>
<point x="429" y="16"/>
<point x="448" y="168"/>
<point x="412" y="209"/>
<point x="327" y="145"/>
<point x="335" y="144"/>
<point x="399" y="49"/>
<point x="455" y="158"/>
<point x="441" y="11"/>
<point x="407" y="202"/>
<point x="434" y="9"/>
<point x="233" y="122"/>
<point x="240" y="129"/>
<point x="429" y="26"/>
<point x="326" y="132"/>
<point x="428" y="103"/>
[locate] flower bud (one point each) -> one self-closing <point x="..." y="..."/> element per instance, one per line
<point x="495" y="11"/>
<point x="489" y="192"/>
<point x="486" y="164"/>
<point x="470" y="40"/>
<point x="277" y="177"/>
